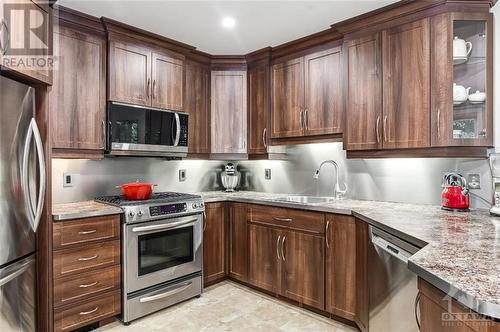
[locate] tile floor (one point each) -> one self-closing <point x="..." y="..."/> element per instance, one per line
<point x="231" y="307"/>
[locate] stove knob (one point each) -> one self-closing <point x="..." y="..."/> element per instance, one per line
<point x="195" y="205"/>
<point x="140" y="213"/>
<point x="131" y="214"/>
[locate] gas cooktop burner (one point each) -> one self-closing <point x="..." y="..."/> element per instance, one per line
<point x="156" y="198"/>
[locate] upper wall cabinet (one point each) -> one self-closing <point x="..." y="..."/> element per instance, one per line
<point x="197" y="105"/>
<point x="77" y="100"/>
<point x="144" y="76"/>
<point x="229" y="112"/>
<point x="462" y="77"/>
<point x="307" y="95"/>
<point x="17" y="52"/>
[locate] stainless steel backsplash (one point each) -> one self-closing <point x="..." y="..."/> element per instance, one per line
<point x="399" y="180"/>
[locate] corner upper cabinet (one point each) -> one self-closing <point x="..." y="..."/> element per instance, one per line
<point x="462" y="58"/>
<point x="364" y="93"/>
<point x="229" y="113"/>
<point x="406" y="85"/>
<point x="145" y="76"/>
<point x="258" y="108"/>
<point x="77" y="100"/>
<point x="129" y="74"/>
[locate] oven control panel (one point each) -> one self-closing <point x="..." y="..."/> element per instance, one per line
<point x="161" y="210"/>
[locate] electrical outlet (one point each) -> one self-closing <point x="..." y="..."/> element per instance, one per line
<point x="267" y="172"/>
<point x="182" y="175"/>
<point x="68" y="179"/>
<point x="474" y="181"/>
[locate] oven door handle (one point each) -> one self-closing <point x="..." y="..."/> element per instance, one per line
<point x="171" y="292"/>
<point x="163" y="226"/>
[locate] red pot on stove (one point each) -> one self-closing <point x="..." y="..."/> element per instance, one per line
<point x="136" y="191"/>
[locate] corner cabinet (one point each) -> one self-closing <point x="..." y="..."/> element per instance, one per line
<point x="307" y="94"/>
<point x="145" y="76"/>
<point x="214" y="251"/>
<point x="229" y="113"/>
<point x="401" y="83"/>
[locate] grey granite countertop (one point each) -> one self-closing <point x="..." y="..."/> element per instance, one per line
<point x="87" y="209"/>
<point x="460" y="251"/>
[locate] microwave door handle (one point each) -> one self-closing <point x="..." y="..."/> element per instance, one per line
<point x="178" y="129"/>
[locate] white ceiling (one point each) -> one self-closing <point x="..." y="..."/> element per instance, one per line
<point x="198" y="23"/>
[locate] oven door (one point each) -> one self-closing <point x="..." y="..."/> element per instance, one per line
<point x="137" y="130"/>
<point x="160" y="251"/>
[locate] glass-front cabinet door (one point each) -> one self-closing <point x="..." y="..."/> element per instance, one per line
<point x="462" y="71"/>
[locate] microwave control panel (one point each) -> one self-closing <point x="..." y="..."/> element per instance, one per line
<point x="183" y="140"/>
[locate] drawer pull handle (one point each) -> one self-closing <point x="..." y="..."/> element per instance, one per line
<point x="83" y="259"/>
<point x="87" y="232"/>
<point x="283" y="219"/>
<point x="88" y="285"/>
<point x="83" y="313"/>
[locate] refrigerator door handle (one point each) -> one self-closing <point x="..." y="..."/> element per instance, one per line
<point x="20" y="270"/>
<point x="34" y="213"/>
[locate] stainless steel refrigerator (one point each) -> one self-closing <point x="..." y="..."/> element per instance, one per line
<point x="22" y="190"/>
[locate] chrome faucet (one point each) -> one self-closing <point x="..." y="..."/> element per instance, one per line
<point x="337" y="192"/>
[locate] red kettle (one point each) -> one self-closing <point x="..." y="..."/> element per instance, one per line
<point x="455" y="195"/>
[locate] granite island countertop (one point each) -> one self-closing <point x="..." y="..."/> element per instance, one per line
<point x="460" y="251"/>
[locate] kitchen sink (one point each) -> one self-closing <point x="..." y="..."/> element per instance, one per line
<point x="306" y="199"/>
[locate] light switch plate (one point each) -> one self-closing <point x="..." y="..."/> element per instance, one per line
<point x="267" y="173"/>
<point x="182" y="175"/>
<point x="68" y="179"/>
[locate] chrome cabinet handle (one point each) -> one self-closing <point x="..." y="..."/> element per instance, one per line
<point x="103" y="134"/>
<point x="264" y="136"/>
<point x="282" y="250"/>
<point x="88" y="285"/>
<point x="204" y="221"/>
<point x="277" y="247"/>
<point x="34" y="212"/>
<point x="174" y="291"/>
<point x="306" y="119"/>
<point x="439" y="123"/>
<point x="148" y="87"/>
<point x="83" y="313"/>
<point x="178" y="129"/>
<point x="417" y="315"/>
<point x="4" y="48"/>
<point x="326" y="233"/>
<point x="87" y="232"/>
<point x="377" y="129"/>
<point x="164" y="226"/>
<point x="301" y="119"/>
<point x="84" y="259"/>
<point x="385" y="128"/>
<point x="283" y="219"/>
<point x="154" y="87"/>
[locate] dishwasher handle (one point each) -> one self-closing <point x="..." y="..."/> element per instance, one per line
<point x="391" y="248"/>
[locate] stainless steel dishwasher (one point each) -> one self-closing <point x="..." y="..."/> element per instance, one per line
<point x="392" y="286"/>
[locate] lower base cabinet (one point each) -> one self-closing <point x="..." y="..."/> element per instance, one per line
<point x="214" y="253"/>
<point x="264" y="258"/>
<point x="238" y="242"/>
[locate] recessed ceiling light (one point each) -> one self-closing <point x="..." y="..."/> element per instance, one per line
<point x="228" y="22"/>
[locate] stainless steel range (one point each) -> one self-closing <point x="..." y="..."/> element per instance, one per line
<point x="161" y="251"/>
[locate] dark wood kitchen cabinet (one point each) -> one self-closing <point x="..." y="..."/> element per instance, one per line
<point x="307" y="95"/>
<point x="77" y="100"/>
<point x="238" y="242"/>
<point x="229" y="113"/>
<point x="341" y="269"/>
<point x="197" y="105"/>
<point x="406" y="82"/>
<point x="364" y="93"/>
<point x="145" y="76"/>
<point x="214" y="234"/>
<point x="258" y="108"/>
<point x="286" y="253"/>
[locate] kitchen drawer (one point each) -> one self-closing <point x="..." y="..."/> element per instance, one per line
<point x="85" y="285"/>
<point x="300" y="220"/>
<point x="91" y="257"/>
<point x="107" y="305"/>
<point x="81" y="231"/>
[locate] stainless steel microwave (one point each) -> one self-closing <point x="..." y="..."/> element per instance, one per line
<point x="145" y="131"/>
